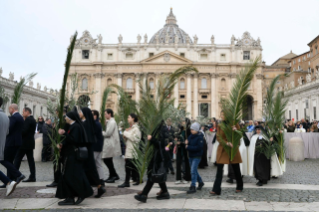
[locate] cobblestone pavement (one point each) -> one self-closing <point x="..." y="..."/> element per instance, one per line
<point x="305" y="172"/>
<point x="31" y="192"/>
<point x="253" y="194"/>
<point x="120" y="210"/>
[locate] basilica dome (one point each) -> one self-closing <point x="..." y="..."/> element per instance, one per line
<point x="170" y="32"/>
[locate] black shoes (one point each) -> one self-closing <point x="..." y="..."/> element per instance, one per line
<point x="260" y="183"/>
<point x="80" y="199"/>
<point x="100" y="192"/>
<point x="124" y="185"/>
<point x="141" y="198"/>
<point x="231" y="181"/>
<point x="163" y="196"/>
<point x="172" y="172"/>
<point x="29" y="180"/>
<point x="67" y="201"/>
<point x="191" y="190"/>
<point x="52" y="185"/>
<point x="200" y="186"/>
<point x="112" y="179"/>
<point x="136" y="183"/>
<point x="19" y="179"/>
<point x="274" y="177"/>
<point x="3" y="186"/>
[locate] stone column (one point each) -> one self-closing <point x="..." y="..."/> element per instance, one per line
<point x="195" y="96"/>
<point x="119" y="79"/>
<point x="158" y="76"/>
<point x="189" y="95"/>
<point x="213" y="94"/>
<point x="176" y="94"/>
<point x="137" y="87"/>
<point x="258" y="89"/>
<point x="98" y="95"/>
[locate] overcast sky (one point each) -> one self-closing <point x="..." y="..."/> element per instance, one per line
<point x="34" y="34"/>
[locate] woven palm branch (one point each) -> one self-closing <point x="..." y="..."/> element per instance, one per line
<point x="125" y="106"/>
<point x="274" y="113"/>
<point x="153" y="110"/>
<point x="106" y="93"/>
<point x="19" y="88"/>
<point x="57" y="139"/>
<point x="232" y="107"/>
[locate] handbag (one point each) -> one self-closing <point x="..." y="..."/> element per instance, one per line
<point x="159" y="175"/>
<point x="81" y="153"/>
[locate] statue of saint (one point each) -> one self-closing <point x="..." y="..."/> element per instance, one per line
<point x="232" y="40"/>
<point x="212" y="39"/>
<point x="11" y="76"/>
<point x="100" y="38"/>
<point x="139" y="38"/>
<point x="145" y="38"/>
<point x="195" y="39"/>
<point x="120" y="38"/>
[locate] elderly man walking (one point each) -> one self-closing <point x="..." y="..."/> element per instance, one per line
<point x="5" y="126"/>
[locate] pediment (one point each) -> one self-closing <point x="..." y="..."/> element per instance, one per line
<point x="166" y="57"/>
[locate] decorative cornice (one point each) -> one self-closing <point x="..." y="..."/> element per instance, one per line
<point x="99" y="75"/>
<point x="118" y="75"/>
<point x="259" y="76"/>
<point x="232" y="75"/>
<point x="214" y="75"/>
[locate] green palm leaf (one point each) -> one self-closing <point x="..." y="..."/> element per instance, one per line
<point x="19" y="88"/>
<point x="106" y="93"/>
<point x="56" y="139"/>
<point x="232" y="107"/>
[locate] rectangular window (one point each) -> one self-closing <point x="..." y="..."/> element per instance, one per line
<point x="204" y="96"/>
<point x="297" y="114"/>
<point x="110" y="56"/>
<point x="223" y="57"/>
<point x="85" y="54"/>
<point x="246" y="55"/>
<point x="129" y="56"/>
<point x="203" y="56"/>
<point x="151" y="54"/>
<point x="314" y="113"/>
<point x="182" y="54"/>
<point x="182" y="96"/>
<point x="307" y="103"/>
<point x="290" y="114"/>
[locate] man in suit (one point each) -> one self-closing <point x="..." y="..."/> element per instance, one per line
<point x="8" y="141"/>
<point x="28" y="143"/>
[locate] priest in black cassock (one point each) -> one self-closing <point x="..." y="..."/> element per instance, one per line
<point x="73" y="182"/>
<point x="89" y="165"/>
<point x="261" y="163"/>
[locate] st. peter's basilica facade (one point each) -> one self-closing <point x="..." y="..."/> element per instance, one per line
<point x="99" y="65"/>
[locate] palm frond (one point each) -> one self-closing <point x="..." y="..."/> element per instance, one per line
<point x="126" y="105"/>
<point x="106" y="93"/>
<point x="60" y="122"/>
<point x="232" y="107"/>
<point x="19" y="88"/>
<point x="4" y="96"/>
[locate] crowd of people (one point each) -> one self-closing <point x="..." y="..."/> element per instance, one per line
<point x="86" y="146"/>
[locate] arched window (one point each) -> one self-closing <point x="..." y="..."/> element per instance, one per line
<point x="182" y="84"/>
<point x="223" y="84"/>
<point x="152" y="83"/>
<point x="84" y="84"/>
<point x="109" y="81"/>
<point x="204" y="83"/>
<point x="129" y="83"/>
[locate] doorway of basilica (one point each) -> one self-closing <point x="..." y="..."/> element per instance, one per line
<point x="203" y="110"/>
<point x="248" y="106"/>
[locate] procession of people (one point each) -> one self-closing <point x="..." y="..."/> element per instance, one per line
<point x="87" y="145"/>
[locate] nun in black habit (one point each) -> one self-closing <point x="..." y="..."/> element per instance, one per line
<point x="73" y="182"/>
<point x="89" y="165"/>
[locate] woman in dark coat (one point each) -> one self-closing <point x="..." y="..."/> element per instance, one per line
<point x="89" y="165"/>
<point x="158" y="143"/>
<point x="203" y="162"/>
<point x="73" y="182"/>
